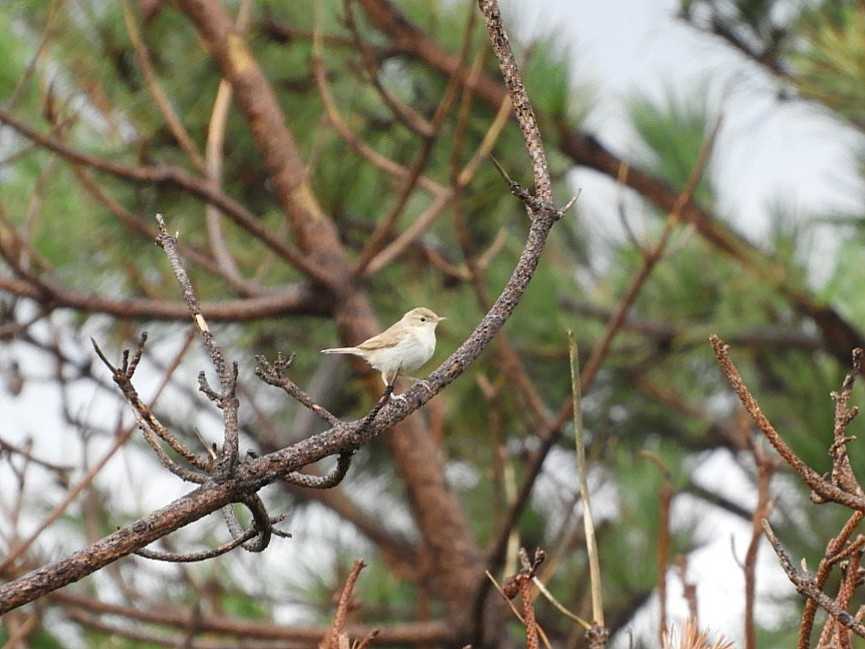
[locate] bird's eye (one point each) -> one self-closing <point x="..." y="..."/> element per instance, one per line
<point x="422" y="319"/>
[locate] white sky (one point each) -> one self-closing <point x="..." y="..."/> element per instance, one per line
<point x="766" y="150"/>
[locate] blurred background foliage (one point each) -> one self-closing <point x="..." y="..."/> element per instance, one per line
<point x="659" y="390"/>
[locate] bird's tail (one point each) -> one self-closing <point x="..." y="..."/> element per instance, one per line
<point x="341" y="350"/>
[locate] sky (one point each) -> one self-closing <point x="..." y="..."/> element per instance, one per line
<point x="765" y="151"/>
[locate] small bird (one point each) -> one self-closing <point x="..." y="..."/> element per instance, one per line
<point x="404" y="346"/>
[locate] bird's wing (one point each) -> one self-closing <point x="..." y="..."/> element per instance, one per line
<point x="384" y="340"/>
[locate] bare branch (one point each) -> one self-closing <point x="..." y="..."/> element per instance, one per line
<point x="522" y="106"/>
<point x="432" y="632"/>
<point x="228" y="402"/>
<point x="336" y="631"/>
<point x="61" y="469"/>
<point x="833" y="549"/>
<point x="327" y="481"/>
<point x="275" y="374"/>
<point x="176" y="557"/>
<point x="807" y="585"/>
<point x="814" y="480"/>
<point x="292" y="299"/>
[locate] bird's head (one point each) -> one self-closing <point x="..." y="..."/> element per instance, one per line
<point x="422" y="317"/>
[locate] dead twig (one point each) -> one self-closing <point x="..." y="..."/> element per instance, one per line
<point x="227" y="398"/>
<point x="190" y="557"/>
<point x="807" y="585"/>
<point x="582" y="469"/>
<point x="335" y="637"/>
<point x="823" y="487"/>
<point x="833" y="549"/>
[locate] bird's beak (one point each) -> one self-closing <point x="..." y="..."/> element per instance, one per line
<point x="440" y="318"/>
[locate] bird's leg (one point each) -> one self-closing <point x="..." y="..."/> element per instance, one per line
<point x="390" y="379"/>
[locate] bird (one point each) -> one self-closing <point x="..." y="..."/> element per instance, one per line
<point x="403" y="347"/>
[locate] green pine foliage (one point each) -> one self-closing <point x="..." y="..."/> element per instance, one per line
<point x="95" y="82"/>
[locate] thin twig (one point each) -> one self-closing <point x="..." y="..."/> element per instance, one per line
<point x="813" y="479"/>
<point x="332" y="639"/>
<point x="765" y="469"/>
<point x="61" y="469"/>
<point x="276" y="374"/>
<point x="228" y="402"/>
<point x="582" y="470"/>
<point x="175" y="125"/>
<point x="202" y="555"/>
<point x="514" y="610"/>
<point x="807" y="585"/>
<point x="214" y="162"/>
<point x="561" y="607"/>
<point x="833" y="548"/>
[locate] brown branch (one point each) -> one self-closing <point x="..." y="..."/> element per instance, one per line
<point x="61" y="469"/>
<point x="138" y="226"/>
<point x="850" y="580"/>
<point x="175" y="617"/>
<point x="663" y="559"/>
<point x="842" y="471"/>
<point x="408" y="116"/>
<point x="821" y="486"/>
<point x="227" y="399"/>
<point x="765" y="469"/>
<point x="689" y="589"/>
<point x="201" y="188"/>
<point x="202" y="555"/>
<point x="299" y="299"/>
<point x="511" y="363"/>
<point x="692" y="333"/>
<point x="178" y="641"/>
<point x="717" y="26"/>
<point x="361" y="148"/>
<point x="275" y="374"/>
<point x="508" y="592"/>
<point x="142" y="56"/>
<point x="806" y="585"/>
<point x="521" y="105"/>
<point x="332" y="639"/>
<point x="833" y="549"/>
<point x="149" y="424"/>
<point x="529" y="614"/>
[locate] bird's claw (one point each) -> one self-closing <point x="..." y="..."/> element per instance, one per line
<point x="397" y="397"/>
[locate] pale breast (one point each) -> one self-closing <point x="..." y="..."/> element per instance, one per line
<point x="408" y="355"/>
<point x="425" y="345"/>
